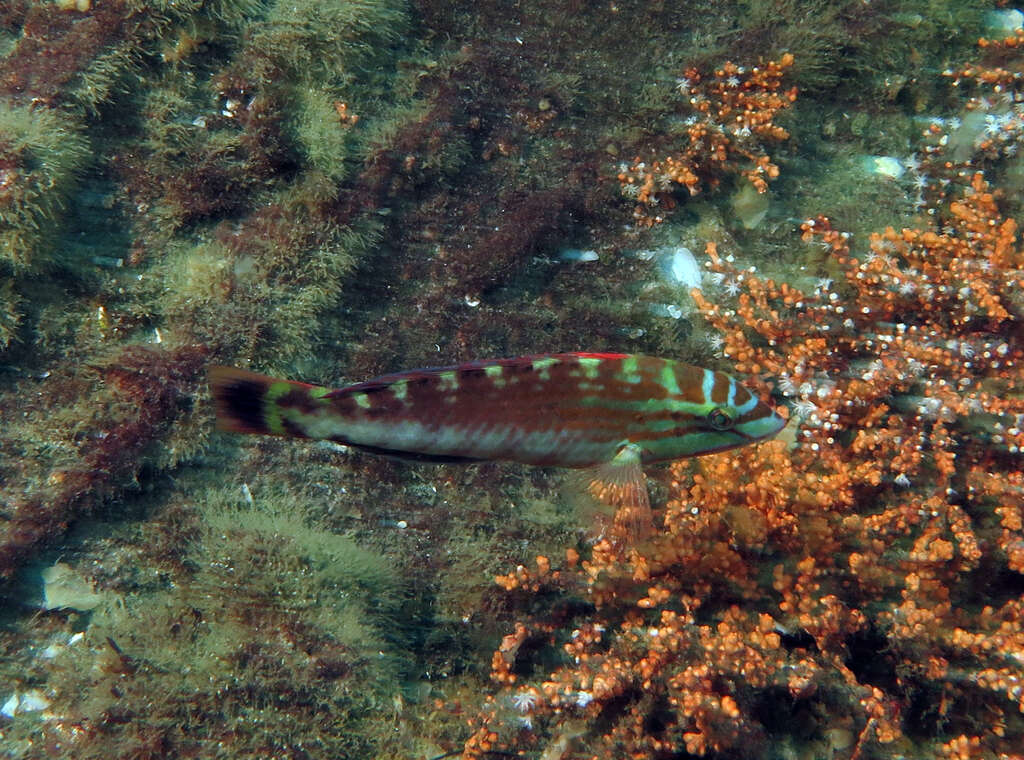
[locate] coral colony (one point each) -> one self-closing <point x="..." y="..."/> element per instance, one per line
<point x="862" y="581"/>
<point x="732" y="114"/>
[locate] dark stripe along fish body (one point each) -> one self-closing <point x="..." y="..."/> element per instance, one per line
<point x="565" y="410"/>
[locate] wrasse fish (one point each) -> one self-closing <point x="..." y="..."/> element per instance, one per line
<point x="609" y="412"/>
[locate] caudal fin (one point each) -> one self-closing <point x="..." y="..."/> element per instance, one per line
<point x="247" y="402"/>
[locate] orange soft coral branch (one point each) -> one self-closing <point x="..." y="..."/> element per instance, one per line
<point x="732" y="115"/>
<point x="854" y="567"/>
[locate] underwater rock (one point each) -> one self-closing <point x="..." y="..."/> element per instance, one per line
<point x="65" y="588"/>
<point x="749" y="206"/>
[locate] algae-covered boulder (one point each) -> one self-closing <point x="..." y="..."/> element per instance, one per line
<point x="41" y="153"/>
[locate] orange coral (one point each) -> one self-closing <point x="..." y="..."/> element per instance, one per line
<point x="991" y="128"/>
<point x="859" y="572"/>
<point x="345" y="117"/>
<point x="863" y="580"/>
<point x="733" y="113"/>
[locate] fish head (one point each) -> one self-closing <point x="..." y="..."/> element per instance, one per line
<point x="703" y="412"/>
<point x="739" y="416"/>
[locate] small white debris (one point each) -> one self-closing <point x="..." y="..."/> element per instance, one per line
<point x="472" y="302"/>
<point x="680" y="267"/>
<point x="577" y="255"/>
<point x="885" y="166"/>
<point x="672" y="310"/>
<point x="33" y="701"/>
<point x="332" y="446"/>
<point x="30" y="701"/>
<point x="10" y="707"/>
<point x="583" y="698"/>
<point x="63" y="587"/>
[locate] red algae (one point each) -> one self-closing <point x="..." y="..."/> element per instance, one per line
<point x="146" y="390"/>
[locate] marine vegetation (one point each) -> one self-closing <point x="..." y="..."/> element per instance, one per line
<point x="817" y="198"/>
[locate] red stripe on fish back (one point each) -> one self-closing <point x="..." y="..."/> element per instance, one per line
<point x="526" y="395"/>
<point x="593" y="355"/>
<point x="552" y="398"/>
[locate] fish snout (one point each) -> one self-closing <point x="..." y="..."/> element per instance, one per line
<point x="760" y="423"/>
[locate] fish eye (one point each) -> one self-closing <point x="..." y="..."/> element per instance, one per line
<point x="719" y="419"/>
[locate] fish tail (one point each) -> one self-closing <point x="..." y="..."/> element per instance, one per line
<point x="247" y="402"/>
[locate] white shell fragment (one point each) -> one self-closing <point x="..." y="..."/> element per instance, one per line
<point x="679" y="266"/>
<point x="63" y="587"/>
<point x="30" y="701"/>
<point x="577" y="255"/>
<point x="885" y="166"/>
<point x="10" y="707"/>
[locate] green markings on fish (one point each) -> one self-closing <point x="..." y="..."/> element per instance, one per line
<point x="611" y="413"/>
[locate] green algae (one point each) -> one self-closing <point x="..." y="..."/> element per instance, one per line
<point x="332" y="42"/>
<point x="326" y="148"/>
<point x="10" y="312"/>
<point x="256" y="627"/>
<point x="43" y="152"/>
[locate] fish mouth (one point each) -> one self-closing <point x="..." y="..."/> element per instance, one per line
<point x="760" y="429"/>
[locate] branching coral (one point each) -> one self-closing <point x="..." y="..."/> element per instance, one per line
<point x="855" y="590"/>
<point x="733" y="114"/>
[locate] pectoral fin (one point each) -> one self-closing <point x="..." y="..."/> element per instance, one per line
<point x="621" y="485"/>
